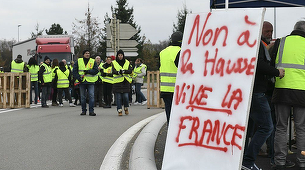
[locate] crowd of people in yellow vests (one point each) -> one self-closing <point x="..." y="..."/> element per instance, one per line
<point x="88" y="80"/>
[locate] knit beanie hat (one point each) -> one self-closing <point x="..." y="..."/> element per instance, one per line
<point x="45" y="58"/>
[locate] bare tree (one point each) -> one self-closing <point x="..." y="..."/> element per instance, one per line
<point x="87" y="33"/>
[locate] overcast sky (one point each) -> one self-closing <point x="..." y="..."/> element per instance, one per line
<point x="156" y="17"/>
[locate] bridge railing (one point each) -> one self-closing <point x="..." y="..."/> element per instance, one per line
<point x="15" y="90"/>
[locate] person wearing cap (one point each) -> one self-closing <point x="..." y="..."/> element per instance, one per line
<point x="18" y="66"/>
<point x="45" y="79"/>
<point x="121" y="75"/>
<point x="85" y="71"/>
<point x="169" y="59"/>
<point x="63" y="80"/>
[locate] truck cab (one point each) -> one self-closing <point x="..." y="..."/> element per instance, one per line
<point x="54" y="47"/>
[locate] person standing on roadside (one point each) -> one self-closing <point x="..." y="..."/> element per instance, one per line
<point x="106" y="72"/>
<point x="54" y="67"/>
<point x="98" y="87"/>
<point x="33" y="69"/>
<point x="121" y="73"/>
<point x="289" y="94"/>
<point x="85" y="70"/>
<point x="63" y="80"/>
<point x="169" y="59"/>
<point x="45" y="78"/>
<point x="139" y="72"/>
<point x="260" y="112"/>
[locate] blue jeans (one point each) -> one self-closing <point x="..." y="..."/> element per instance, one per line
<point x="34" y="86"/>
<point x="260" y="113"/>
<point x="45" y="93"/>
<point x="140" y="95"/>
<point x="119" y="97"/>
<point x="84" y="89"/>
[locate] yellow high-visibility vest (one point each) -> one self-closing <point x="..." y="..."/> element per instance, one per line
<point x="17" y="67"/>
<point x="118" y="67"/>
<point x="168" y="69"/>
<point x="33" y="69"/>
<point x="47" y="74"/>
<point x="63" y="81"/>
<point x="291" y="57"/>
<point x="107" y="79"/>
<point x="82" y="67"/>
<point x="99" y="73"/>
<point x="137" y="70"/>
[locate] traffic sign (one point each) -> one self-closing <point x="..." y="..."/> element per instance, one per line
<point x="118" y="37"/>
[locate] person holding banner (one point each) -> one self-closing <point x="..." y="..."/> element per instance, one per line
<point x="169" y="59"/>
<point x="289" y="93"/>
<point x="260" y="112"/>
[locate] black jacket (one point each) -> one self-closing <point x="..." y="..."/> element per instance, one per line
<point x="264" y="72"/>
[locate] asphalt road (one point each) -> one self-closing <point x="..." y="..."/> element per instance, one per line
<point x="58" y="138"/>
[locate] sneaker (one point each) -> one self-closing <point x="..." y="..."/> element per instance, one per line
<point x="72" y="105"/>
<point x="55" y="104"/>
<point x="120" y="112"/>
<point x="136" y="103"/>
<point x="254" y="167"/>
<point x="92" y="114"/>
<point x="61" y="105"/>
<point x="289" y="164"/>
<point x="107" y="106"/>
<point x="45" y="106"/>
<point x="126" y="111"/>
<point x="83" y="113"/>
<point x="144" y="102"/>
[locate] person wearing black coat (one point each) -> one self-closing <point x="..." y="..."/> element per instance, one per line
<point x="121" y="89"/>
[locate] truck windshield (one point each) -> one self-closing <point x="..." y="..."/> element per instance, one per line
<point x="58" y="56"/>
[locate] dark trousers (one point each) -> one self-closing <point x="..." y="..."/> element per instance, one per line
<point x="98" y="93"/>
<point x="107" y="88"/>
<point x="54" y="96"/>
<point x="67" y="94"/>
<point x="34" y="86"/>
<point x="46" y="91"/>
<point x="260" y="114"/>
<point x="168" y="100"/>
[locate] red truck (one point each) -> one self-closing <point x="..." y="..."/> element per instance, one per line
<point x="53" y="46"/>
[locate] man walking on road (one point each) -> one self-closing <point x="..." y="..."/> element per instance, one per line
<point x="85" y="70"/>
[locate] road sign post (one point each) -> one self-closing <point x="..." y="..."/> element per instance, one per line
<point x="118" y="37"/>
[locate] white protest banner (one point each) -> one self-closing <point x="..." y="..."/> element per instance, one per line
<point x="213" y="90"/>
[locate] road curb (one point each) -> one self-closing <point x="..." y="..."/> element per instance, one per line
<point x="142" y="153"/>
<point x="113" y="158"/>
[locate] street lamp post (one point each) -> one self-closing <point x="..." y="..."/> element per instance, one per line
<point x="18" y="31"/>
